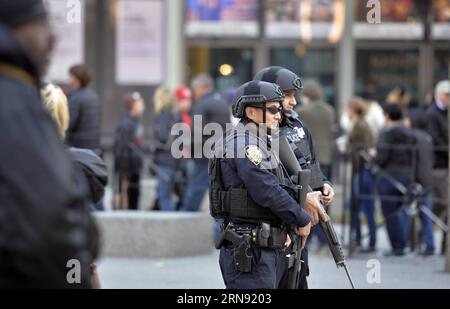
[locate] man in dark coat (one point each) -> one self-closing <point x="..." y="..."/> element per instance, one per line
<point x="47" y="236"/>
<point x="395" y="155"/>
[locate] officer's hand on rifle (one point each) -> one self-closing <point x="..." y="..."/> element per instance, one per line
<point x="303" y="232"/>
<point x="312" y="206"/>
<point x="327" y="194"/>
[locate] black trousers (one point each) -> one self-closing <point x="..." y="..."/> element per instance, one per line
<point x="267" y="267"/>
<point x="130" y="183"/>
<point x="133" y="191"/>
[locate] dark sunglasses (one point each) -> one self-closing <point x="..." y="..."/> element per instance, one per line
<point x="271" y="109"/>
<point x="274" y="110"/>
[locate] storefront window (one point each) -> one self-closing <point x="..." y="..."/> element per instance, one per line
<point x="399" y="19"/>
<point x="222" y="18"/>
<point x="441" y="65"/>
<point x="230" y="67"/>
<point x="386" y="70"/>
<point x="317" y="64"/>
<point x="305" y="19"/>
<point x="441" y="11"/>
<point x="441" y="20"/>
<point x="399" y="11"/>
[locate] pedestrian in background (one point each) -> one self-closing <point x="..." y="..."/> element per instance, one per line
<point x="84" y="109"/>
<point x="129" y="152"/>
<point x="438" y="129"/>
<point x="165" y="117"/>
<point x="209" y="108"/>
<point x="361" y="139"/>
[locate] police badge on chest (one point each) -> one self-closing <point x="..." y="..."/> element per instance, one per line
<point x="296" y="135"/>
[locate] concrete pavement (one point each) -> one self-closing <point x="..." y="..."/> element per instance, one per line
<point x="202" y="272"/>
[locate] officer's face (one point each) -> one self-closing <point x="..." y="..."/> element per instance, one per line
<point x="272" y="120"/>
<point x="289" y="101"/>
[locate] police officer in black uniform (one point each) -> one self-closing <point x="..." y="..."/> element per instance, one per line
<point x="249" y="190"/>
<point x="301" y="143"/>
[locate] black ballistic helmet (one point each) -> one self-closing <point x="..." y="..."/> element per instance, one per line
<point x="255" y="93"/>
<point x="286" y="79"/>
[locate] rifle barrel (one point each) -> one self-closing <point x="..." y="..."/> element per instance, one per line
<point x="349" y="277"/>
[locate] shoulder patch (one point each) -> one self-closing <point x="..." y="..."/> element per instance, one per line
<point x="254" y="154"/>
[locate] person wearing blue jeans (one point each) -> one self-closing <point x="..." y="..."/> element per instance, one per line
<point x="397" y="221"/>
<point x="425" y="162"/>
<point x="197" y="185"/>
<point x="427" y="226"/>
<point x="165" y="188"/>
<point x="363" y="192"/>
<point x="396" y="153"/>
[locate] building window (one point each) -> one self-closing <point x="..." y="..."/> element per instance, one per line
<point x="441" y="65"/>
<point x="222" y="18"/>
<point x="230" y="67"/>
<point x="305" y="19"/>
<point x="387" y="69"/>
<point x="399" y="20"/>
<point x="309" y="63"/>
<point x="440" y="29"/>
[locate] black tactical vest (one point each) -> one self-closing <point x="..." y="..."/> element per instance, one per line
<point x="300" y="144"/>
<point x="236" y="205"/>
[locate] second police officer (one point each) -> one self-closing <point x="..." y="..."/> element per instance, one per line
<point x="248" y="191"/>
<point x="301" y="142"/>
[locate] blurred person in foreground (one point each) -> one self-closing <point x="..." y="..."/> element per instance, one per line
<point x="44" y="214"/>
<point x="92" y="166"/>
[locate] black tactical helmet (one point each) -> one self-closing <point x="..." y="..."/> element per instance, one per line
<point x="255" y="93"/>
<point x="286" y="79"/>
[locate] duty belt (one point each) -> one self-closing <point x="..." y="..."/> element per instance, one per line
<point x="262" y="236"/>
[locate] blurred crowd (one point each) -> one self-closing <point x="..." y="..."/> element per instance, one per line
<point x="399" y="156"/>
